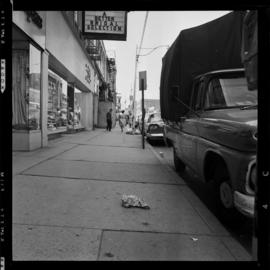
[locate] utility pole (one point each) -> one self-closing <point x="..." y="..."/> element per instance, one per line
<point x="134" y="89"/>
<point x="136" y="64"/>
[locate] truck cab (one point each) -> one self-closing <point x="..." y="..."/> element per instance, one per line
<point x="217" y="137"/>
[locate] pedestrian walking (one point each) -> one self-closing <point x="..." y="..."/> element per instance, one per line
<point x="131" y="119"/>
<point x="121" y="120"/>
<point x="127" y="119"/>
<point x="109" y="120"/>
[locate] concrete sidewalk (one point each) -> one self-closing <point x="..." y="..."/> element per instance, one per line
<point x="67" y="205"/>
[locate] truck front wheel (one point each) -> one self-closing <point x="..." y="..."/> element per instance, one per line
<point x="178" y="164"/>
<point x="223" y="193"/>
<point x="226" y="194"/>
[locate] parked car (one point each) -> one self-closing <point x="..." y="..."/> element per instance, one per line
<point x="154" y="127"/>
<point x="217" y="138"/>
<point x="210" y="115"/>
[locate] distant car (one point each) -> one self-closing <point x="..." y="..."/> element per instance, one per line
<point x="154" y="128"/>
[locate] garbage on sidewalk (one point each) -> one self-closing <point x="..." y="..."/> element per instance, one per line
<point x="194" y="239"/>
<point x="137" y="132"/>
<point x="130" y="131"/>
<point x="133" y="201"/>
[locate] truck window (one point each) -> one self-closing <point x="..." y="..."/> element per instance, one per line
<point x="198" y="90"/>
<point x="194" y="94"/>
<point x="228" y="92"/>
<point x="214" y="95"/>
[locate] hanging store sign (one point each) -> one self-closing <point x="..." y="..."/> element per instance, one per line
<point x="107" y="25"/>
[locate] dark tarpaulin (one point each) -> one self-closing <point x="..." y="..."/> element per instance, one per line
<point x="211" y="46"/>
<point x="250" y="48"/>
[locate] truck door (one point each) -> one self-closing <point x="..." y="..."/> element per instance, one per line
<point x="189" y="126"/>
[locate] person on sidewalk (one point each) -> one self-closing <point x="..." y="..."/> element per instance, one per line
<point x="121" y="120"/>
<point x="127" y="119"/>
<point x="109" y="120"/>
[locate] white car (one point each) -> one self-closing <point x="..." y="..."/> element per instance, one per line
<point x="154" y="128"/>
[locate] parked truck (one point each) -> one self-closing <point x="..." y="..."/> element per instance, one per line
<point x="210" y="115"/>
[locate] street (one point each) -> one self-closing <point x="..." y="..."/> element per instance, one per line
<point x="240" y="229"/>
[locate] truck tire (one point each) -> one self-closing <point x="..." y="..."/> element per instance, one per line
<point x="223" y="193"/>
<point x="178" y="164"/>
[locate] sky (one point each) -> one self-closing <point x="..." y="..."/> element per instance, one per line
<point x="162" y="28"/>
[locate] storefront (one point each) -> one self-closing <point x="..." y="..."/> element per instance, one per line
<point x="75" y="110"/>
<point x="70" y="61"/>
<point x="28" y="57"/>
<point x="65" y="106"/>
<point x="53" y="80"/>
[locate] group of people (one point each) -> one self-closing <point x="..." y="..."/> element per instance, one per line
<point x="123" y="119"/>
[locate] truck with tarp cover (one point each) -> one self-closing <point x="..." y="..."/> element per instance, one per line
<point x="210" y="115"/>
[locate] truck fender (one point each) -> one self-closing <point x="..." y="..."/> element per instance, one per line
<point x="212" y="157"/>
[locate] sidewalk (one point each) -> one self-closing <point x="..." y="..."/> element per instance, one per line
<point x="67" y="205"/>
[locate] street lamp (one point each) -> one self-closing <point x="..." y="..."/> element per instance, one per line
<point x="136" y="65"/>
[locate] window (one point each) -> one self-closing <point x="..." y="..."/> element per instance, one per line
<point x="214" y="95"/>
<point x="78" y="101"/>
<point x="229" y="92"/>
<point x="76" y="17"/>
<point x="199" y="89"/>
<point x="57" y="102"/>
<point x="34" y="88"/>
<point x="26" y="86"/>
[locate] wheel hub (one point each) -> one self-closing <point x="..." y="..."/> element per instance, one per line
<point x="226" y="195"/>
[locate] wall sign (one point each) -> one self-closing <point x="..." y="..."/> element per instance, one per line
<point x="110" y="25"/>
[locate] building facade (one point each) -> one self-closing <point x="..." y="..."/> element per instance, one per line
<point x="118" y="102"/>
<point x="56" y="81"/>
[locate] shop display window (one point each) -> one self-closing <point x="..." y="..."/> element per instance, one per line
<point x="77" y="108"/>
<point x="26" y="85"/>
<point x="57" y="103"/>
<point x="34" y="88"/>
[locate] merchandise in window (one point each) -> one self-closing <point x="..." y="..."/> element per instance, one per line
<point x="34" y="88"/>
<point x="77" y="108"/>
<point x="57" y="103"/>
<point x="26" y="86"/>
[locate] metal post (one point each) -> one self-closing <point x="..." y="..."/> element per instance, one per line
<point x="142" y="87"/>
